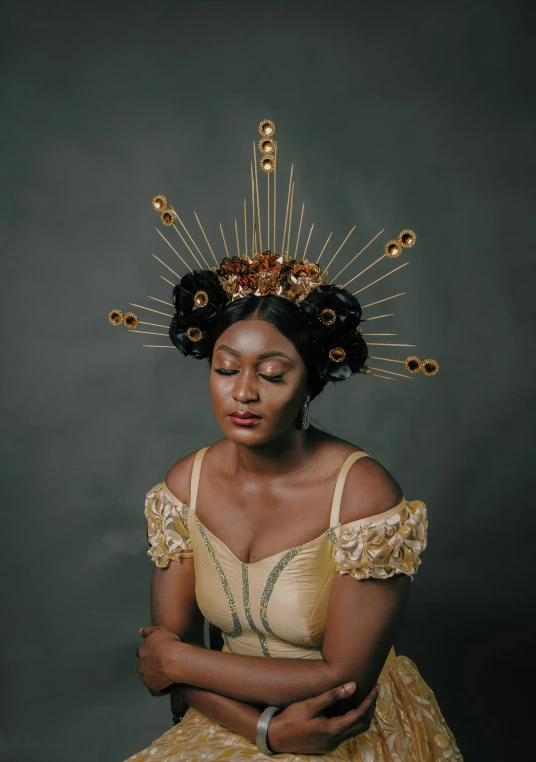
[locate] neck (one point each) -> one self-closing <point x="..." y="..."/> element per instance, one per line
<point x="278" y="456"/>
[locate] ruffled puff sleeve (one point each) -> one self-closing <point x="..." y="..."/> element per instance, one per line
<point x="382" y="547"/>
<point x="167" y="528"/>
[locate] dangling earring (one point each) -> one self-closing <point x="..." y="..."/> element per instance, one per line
<point x="305" y="413"/>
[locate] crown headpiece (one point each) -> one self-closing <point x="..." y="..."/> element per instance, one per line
<point x="332" y="313"/>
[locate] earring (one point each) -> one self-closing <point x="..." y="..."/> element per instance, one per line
<point x="305" y="414"/>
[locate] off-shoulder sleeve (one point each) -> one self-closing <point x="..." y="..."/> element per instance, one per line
<point x="385" y="546"/>
<point x="167" y="528"/>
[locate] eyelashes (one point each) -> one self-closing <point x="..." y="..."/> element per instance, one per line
<point x="273" y="379"/>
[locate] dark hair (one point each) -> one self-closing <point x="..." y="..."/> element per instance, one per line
<point x="324" y="328"/>
<point x="283" y="315"/>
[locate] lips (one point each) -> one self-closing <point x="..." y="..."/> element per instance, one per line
<point x="244" y="418"/>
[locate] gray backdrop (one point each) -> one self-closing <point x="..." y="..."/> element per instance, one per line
<point x="414" y="114"/>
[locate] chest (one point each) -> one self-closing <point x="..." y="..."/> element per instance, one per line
<point x="278" y="604"/>
<point x="257" y="521"/>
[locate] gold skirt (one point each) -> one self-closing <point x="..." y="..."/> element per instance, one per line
<point x="407" y="727"/>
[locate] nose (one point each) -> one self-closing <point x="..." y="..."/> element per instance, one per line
<point x="245" y="388"/>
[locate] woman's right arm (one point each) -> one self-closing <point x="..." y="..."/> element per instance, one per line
<point x="173" y="605"/>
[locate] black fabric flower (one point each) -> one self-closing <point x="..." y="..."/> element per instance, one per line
<point x="329" y="309"/>
<point x="355" y="353"/>
<point x="199" y="293"/>
<point x="332" y="316"/>
<point x="190" y="334"/>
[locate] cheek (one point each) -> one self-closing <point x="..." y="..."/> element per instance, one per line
<point x="220" y="389"/>
<point x="284" y="400"/>
<point x="222" y="394"/>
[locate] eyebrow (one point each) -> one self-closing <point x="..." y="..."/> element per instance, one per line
<point x="262" y="356"/>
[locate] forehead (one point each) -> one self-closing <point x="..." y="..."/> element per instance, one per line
<point x="251" y="337"/>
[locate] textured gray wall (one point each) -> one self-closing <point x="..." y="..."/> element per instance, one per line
<point x="397" y="114"/>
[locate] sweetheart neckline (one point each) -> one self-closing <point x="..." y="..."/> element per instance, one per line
<point x="378" y="517"/>
<point x="266" y="558"/>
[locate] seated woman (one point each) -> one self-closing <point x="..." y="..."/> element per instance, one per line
<point x="297" y="545"/>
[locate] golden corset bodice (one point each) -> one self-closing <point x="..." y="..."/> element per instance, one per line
<point x="278" y="606"/>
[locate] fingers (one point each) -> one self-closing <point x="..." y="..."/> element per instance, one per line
<point x="356" y="720"/>
<point x="319" y="703"/>
<point x="146" y="631"/>
<point x="368" y="702"/>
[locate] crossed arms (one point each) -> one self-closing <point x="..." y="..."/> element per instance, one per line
<point x="362" y="620"/>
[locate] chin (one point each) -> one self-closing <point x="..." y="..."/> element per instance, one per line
<point x="245" y="435"/>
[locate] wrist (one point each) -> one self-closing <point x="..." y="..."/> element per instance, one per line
<point x="177" y="660"/>
<point x="276" y="736"/>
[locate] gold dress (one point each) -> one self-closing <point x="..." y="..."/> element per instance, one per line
<point x="250" y="603"/>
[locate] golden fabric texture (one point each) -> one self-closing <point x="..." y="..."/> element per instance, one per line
<point x="384" y="547"/>
<point x="250" y="603"/>
<point x="166" y="533"/>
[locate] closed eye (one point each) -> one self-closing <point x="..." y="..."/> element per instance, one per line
<point x="273" y="379"/>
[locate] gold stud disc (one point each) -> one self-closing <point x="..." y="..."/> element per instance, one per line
<point x="115" y="317"/>
<point x="131" y="320"/>
<point x="159" y="203"/>
<point x="406" y="238"/>
<point x="167" y="217"/>
<point x="267" y="128"/>
<point x="413" y="364"/>
<point x="392" y="249"/>
<point x="327" y="316"/>
<point x="201" y="298"/>
<point x="267" y="163"/>
<point x="267" y="146"/>
<point x="430" y="367"/>
<point x="337" y="354"/>
<point x="194" y="333"/>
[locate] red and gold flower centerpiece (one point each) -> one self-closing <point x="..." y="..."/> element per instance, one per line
<point x="266" y="268"/>
<point x="236" y="277"/>
<point x="300" y="277"/>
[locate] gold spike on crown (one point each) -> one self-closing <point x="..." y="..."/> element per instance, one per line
<point x="263" y="271"/>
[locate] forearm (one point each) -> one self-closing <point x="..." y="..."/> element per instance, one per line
<point x="252" y="679"/>
<point x="234" y="715"/>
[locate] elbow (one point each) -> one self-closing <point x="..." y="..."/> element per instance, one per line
<point x="339" y="674"/>
<point x="333" y="675"/>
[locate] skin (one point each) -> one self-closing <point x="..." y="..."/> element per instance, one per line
<point x="276" y="471"/>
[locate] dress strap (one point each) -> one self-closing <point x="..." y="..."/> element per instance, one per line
<point x="196" y="470"/>
<point x="339" y="486"/>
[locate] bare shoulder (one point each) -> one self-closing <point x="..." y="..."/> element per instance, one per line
<point x="179" y="475"/>
<point x="369" y="490"/>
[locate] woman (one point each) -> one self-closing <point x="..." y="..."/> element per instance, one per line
<point x="296" y="545"/>
<point x="299" y="547"/>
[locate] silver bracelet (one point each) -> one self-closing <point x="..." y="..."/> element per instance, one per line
<point x="261" y="736"/>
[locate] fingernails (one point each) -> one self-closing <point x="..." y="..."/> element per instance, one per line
<point x="348" y="687"/>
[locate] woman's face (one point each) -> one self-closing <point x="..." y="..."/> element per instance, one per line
<point x="258" y="382"/>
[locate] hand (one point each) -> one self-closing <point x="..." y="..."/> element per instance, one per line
<point x="155" y="656"/>
<point x="304" y="728"/>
